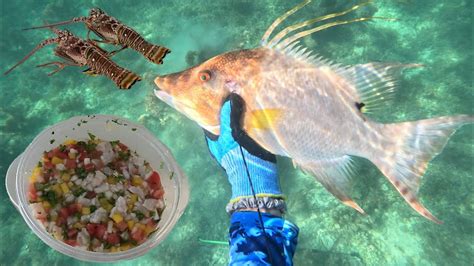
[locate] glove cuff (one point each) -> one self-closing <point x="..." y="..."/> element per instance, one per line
<point x="262" y="173"/>
<point x="263" y="202"/>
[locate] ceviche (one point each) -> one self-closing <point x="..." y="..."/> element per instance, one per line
<point x="96" y="195"/>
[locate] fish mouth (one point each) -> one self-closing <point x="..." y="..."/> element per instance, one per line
<point x="165" y="97"/>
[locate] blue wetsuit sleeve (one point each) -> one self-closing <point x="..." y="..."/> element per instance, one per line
<point x="250" y="246"/>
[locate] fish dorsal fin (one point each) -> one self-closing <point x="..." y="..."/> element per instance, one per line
<point x="334" y="174"/>
<point x="375" y="83"/>
<point x="299" y="52"/>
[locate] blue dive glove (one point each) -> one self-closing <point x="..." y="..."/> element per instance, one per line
<point x="233" y="149"/>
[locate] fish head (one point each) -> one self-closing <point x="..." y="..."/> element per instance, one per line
<point x="199" y="92"/>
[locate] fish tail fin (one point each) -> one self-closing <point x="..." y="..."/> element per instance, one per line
<point x="407" y="150"/>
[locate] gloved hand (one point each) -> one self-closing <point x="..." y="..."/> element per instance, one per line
<point x="236" y="152"/>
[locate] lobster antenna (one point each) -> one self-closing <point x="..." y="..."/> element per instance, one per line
<point x="289" y="29"/>
<point x="39" y="46"/>
<point x="279" y="20"/>
<point x="74" y="20"/>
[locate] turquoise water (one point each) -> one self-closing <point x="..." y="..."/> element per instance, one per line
<point x="437" y="34"/>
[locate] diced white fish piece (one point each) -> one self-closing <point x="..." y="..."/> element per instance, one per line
<point x="100" y="215"/>
<point x="95" y="202"/>
<point x="124" y="235"/>
<point x="74" y="178"/>
<point x="156" y="217"/>
<point x="38" y="210"/>
<point x="137" y="160"/>
<point x="138" y="191"/>
<point x="58" y="232"/>
<point x="98" y="178"/>
<point x="72" y="150"/>
<point x="150" y="204"/>
<point x="139" y="207"/>
<point x="83" y="238"/>
<point x="87" y="160"/>
<point x="126" y="174"/>
<point x="161" y="204"/>
<point x="85" y="218"/>
<point x="107" y="171"/>
<point x="121" y="204"/>
<point x="142" y="170"/>
<point x="110" y="226"/>
<point x="78" y="182"/>
<point x="102" y="188"/>
<point x="108" y="194"/>
<point x="69" y="198"/>
<point x="107" y="152"/>
<point x="60" y="167"/>
<point x="84" y="201"/>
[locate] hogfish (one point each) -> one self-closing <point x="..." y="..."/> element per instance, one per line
<point x="313" y="111"/>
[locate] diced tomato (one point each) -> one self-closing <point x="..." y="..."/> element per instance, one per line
<point x="91" y="229"/>
<point x="157" y="194"/>
<point x="72" y="233"/>
<point x="100" y="231"/>
<point x="138" y="235"/>
<point x="50" y="154"/>
<point x="58" y="153"/>
<point x="151" y="223"/>
<point x="122" y="225"/>
<point x="154" y="181"/>
<point x="122" y="146"/>
<point x="73" y="208"/>
<point x="113" y="238"/>
<point x="71" y="164"/>
<point x="64" y="212"/>
<point x="71" y="242"/>
<point x="62" y="155"/>
<point x="32" y="192"/>
<point x="89" y="167"/>
<point x="60" y="221"/>
<point x="48" y="165"/>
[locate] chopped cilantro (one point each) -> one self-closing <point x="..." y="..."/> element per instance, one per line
<point x="114" y="143"/>
<point x="91" y="136"/>
<point x="52" y="141"/>
<point x="62" y="148"/>
<point x="93" y="208"/>
<point x="139" y="215"/>
<point x="134" y="129"/>
<point x="40" y="164"/>
<point x="171" y="175"/>
<point x="81" y="172"/>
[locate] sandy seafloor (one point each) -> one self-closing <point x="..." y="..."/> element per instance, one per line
<point x="437" y="34"/>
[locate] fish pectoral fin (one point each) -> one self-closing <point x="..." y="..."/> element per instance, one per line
<point x="263" y="119"/>
<point x="90" y="72"/>
<point x="334" y="174"/>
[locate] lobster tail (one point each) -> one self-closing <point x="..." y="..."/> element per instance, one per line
<point x="100" y="64"/>
<point x="130" y="38"/>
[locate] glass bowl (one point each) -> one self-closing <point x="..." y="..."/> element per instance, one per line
<point x="105" y="127"/>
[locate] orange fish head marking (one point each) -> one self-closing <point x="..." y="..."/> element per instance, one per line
<point x="198" y="92"/>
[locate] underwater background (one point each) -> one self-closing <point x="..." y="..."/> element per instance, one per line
<point x="437" y="34"/>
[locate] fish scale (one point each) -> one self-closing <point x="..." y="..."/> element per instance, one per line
<point x="304" y="107"/>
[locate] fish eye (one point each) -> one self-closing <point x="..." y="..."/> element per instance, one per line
<point x="204" y="75"/>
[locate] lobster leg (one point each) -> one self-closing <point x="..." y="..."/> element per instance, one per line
<point x="60" y="66"/>
<point x="117" y="51"/>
